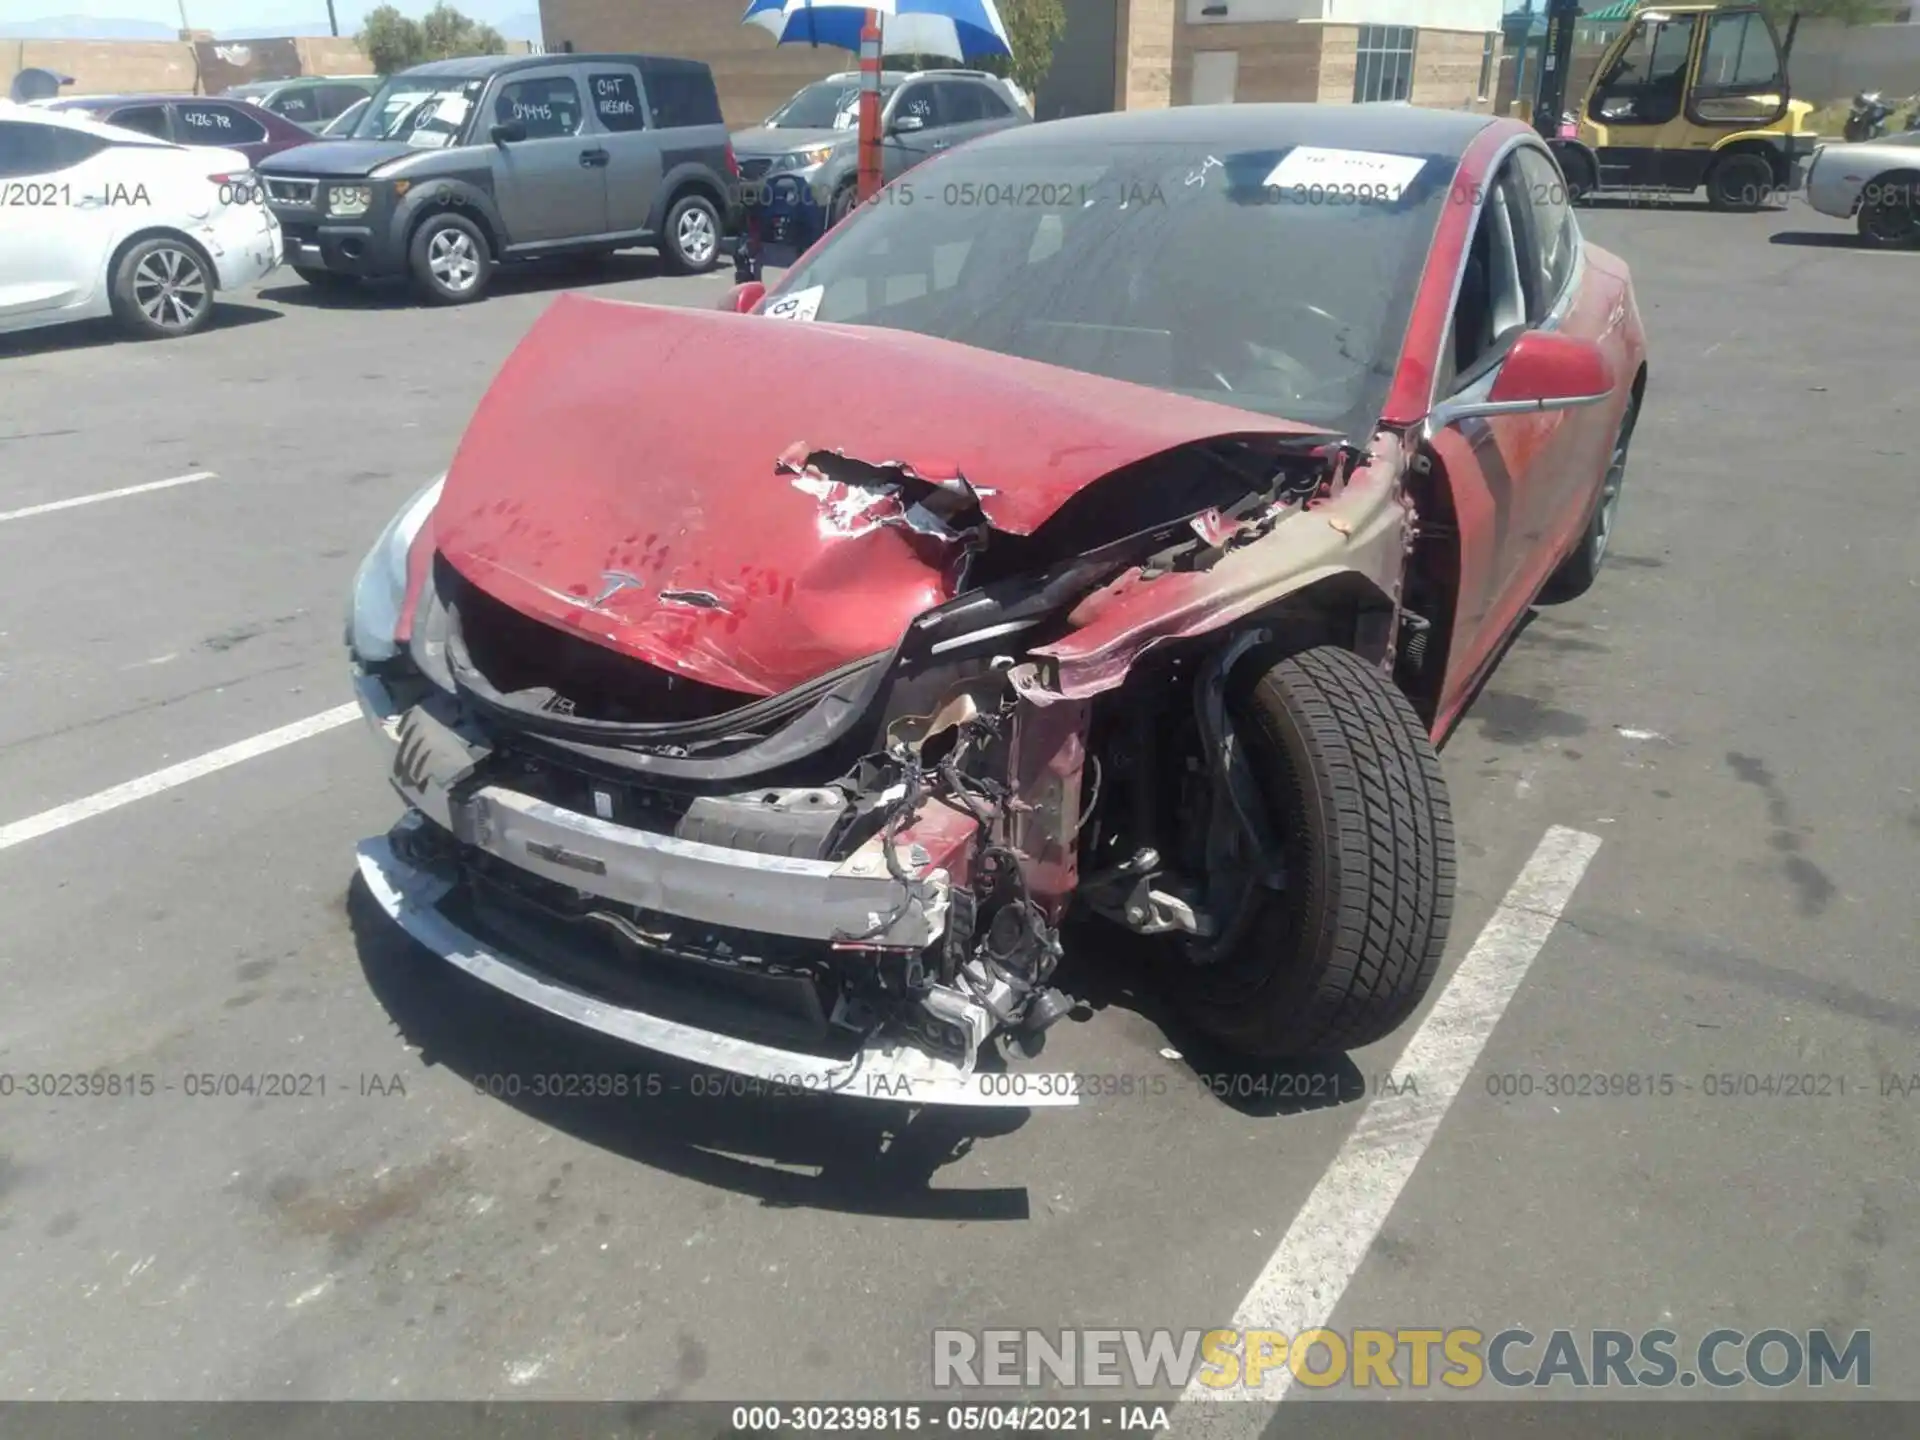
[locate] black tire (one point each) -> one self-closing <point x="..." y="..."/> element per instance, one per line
<point x="1359" y="808"/>
<point x="450" y="259"/>
<point x="1890" y="212"/>
<point x="691" y="242"/>
<point x="1582" y="180"/>
<point x="1582" y="566"/>
<point x="1742" y="181"/>
<point x="163" y="289"/>
<point x="845" y="199"/>
<point x="326" y="279"/>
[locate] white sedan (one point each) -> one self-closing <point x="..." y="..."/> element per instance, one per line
<point x="96" y="220"/>
<point x="1876" y="180"/>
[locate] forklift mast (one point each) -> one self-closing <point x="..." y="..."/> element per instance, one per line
<point x="1551" y="101"/>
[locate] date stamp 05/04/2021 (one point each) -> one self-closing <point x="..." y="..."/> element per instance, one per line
<point x="1308" y="1087"/>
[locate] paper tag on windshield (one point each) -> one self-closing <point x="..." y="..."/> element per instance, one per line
<point x="800" y="305"/>
<point x="1361" y="174"/>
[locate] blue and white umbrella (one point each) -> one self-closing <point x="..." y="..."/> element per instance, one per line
<point x="960" y="29"/>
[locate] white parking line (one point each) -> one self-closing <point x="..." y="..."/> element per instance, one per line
<point x="1323" y="1248"/>
<point x="112" y="798"/>
<point x="95" y="499"/>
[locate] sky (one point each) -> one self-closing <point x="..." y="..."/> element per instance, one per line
<point x="249" y="14"/>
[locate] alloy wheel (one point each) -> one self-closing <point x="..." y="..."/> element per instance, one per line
<point x="170" y="287"/>
<point x="695" y="235"/>
<point x="454" y="261"/>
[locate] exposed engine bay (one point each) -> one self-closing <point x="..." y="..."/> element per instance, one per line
<point x="944" y="769"/>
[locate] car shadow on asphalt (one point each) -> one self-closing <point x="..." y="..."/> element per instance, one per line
<point x="525" y="277"/>
<point x="867" y="1157"/>
<point x="1107" y="967"/>
<point x="90" y="334"/>
<point x="1819" y="239"/>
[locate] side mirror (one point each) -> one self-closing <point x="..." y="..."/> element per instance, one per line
<point x="1543" y="371"/>
<point x="508" y="132"/>
<point x="906" y="124"/>
<point x="742" y="298"/>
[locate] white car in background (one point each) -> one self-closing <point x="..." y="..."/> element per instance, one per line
<point x="95" y="220"/>
<point x="1877" y="181"/>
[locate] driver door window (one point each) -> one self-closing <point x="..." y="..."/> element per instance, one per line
<point x="1649" y="80"/>
<point x="917" y="101"/>
<point x="1491" y="309"/>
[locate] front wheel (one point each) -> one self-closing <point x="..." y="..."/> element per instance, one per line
<point x="450" y="259"/>
<point x="163" y="289"/>
<point x="1582" y="567"/>
<point x="1357" y="806"/>
<point x="1742" y="181"/>
<point x="844" y="200"/>
<point x="1890" y="212"/>
<point x="1582" y="179"/>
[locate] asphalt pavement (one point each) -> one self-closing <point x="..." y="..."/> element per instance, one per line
<point x="1725" y="723"/>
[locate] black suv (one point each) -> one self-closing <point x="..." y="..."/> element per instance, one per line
<point x="458" y="165"/>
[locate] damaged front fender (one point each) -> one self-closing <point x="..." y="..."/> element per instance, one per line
<point x="1364" y="531"/>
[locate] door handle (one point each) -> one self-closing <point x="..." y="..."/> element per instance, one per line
<point x="593" y="159"/>
<point x="941" y="144"/>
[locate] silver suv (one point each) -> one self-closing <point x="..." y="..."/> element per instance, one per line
<point x="798" y="170"/>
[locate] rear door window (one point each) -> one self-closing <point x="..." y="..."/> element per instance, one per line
<point x="616" y="99"/>
<point x="300" y="106"/>
<point x="216" y="124"/>
<point x="147" y="119"/>
<point x="958" y="103"/>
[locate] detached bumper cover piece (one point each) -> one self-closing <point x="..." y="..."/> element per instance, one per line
<point x="411" y="894"/>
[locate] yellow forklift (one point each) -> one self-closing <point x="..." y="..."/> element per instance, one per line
<point x="1687" y="95"/>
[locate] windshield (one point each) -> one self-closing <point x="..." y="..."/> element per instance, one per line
<point x="1279" y="281"/>
<point x="424" y="111"/>
<point x="342" y="125"/>
<point x="826" y="105"/>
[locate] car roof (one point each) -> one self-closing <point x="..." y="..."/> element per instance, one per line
<point x="1406" y="128"/>
<point x="894" y="77"/>
<point x="478" y="67"/>
<point x="157" y="97"/>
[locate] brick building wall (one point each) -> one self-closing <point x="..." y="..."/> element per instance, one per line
<point x="753" y="74"/>
<point x="1277" y="60"/>
<point x="1446" y="70"/>
<point x="1148" y="39"/>
<point x="1339" y="60"/>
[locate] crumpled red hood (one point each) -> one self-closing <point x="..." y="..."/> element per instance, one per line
<point x="619" y="480"/>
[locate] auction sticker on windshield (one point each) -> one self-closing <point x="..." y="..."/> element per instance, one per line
<point x="800" y="305"/>
<point x="1366" y="174"/>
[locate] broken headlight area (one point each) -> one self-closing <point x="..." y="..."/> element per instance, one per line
<point x="887" y="905"/>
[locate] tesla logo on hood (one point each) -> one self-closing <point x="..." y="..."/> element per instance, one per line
<point x="617" y="580"/>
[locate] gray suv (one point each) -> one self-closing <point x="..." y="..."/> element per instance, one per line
<point x="460" y="165"/>
<point x="799" y="169"/>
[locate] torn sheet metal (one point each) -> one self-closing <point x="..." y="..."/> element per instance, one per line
<point x="858" y="496"/>
<point x="1359" y="531"/>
